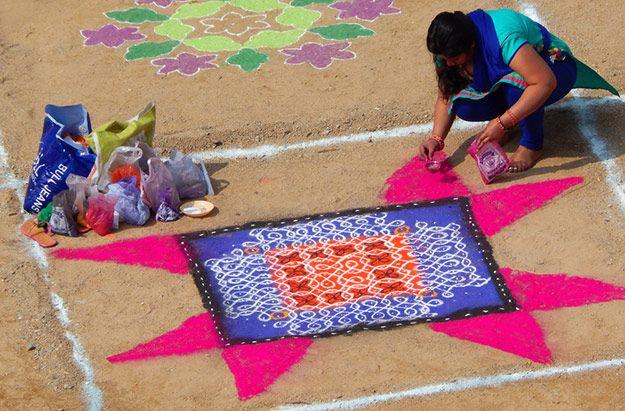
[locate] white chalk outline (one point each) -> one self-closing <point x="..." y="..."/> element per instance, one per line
<point x="271" y="150"/>
<point x="615" y="180"/>
<point x="91" y="392"/>
<point x="461" y="384"/>
<point x="259" y="18"/>
<point x="615" y="177"/>
<point x="94" y="395"/>
<point x="530" y="11"/>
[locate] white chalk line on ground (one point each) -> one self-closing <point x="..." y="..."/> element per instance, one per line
<point x="599" y="149"/>
<point x="271" y="150"/>
<point x="615" y="178"/>
<point x="598" y="146"/>
<point x="92" y="393"/>
<point x="530" y="11"/>
<point x="461" y="384"/>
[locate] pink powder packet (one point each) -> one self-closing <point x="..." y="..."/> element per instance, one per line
<point x="491" y="160"/>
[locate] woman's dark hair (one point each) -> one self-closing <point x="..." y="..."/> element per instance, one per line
<point x="449" y="35"/>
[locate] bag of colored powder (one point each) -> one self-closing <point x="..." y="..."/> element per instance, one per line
<point x="62" y="218"/>
<point x="159" y="190"/>
<point x="79" y="186"/>
<point x="123" y="163"/>
<point x="491" y="160"/>
<point x="129" y="206"/>
<point x="188" y="176"/>
<point x="101" y="213"/>
<point x="105" y="139"/>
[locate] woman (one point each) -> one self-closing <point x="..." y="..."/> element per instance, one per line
<point x="502" y="67"/>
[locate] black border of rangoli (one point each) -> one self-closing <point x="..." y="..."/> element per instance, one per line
<point x="200" y="276"/>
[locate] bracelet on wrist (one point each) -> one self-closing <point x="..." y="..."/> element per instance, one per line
<point x="439" y="140"/>
<point x="501" y="126"/>
<point x="513" y="117"/>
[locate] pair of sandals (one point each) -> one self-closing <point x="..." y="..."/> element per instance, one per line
<point x="40" y="234"/>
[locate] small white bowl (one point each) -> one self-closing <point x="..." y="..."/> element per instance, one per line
<point x="197" y="208"/>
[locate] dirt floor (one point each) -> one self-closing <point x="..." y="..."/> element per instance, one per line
<point x="389" y="84"/>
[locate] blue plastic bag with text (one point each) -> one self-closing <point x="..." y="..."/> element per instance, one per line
<point x="61" y="153"/>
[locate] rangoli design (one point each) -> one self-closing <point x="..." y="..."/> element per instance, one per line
<point x="321" y="275"/>
<point x="271" y="287"/>
<point x="242" y="33"/>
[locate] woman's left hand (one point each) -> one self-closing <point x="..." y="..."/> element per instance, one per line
<point x="492" y="132"/>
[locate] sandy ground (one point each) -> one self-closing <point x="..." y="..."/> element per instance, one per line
<point x="112" y="308"/>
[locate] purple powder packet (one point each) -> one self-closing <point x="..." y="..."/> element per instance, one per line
<point x="491" y="160"/>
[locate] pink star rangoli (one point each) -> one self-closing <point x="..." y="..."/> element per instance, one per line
<point x="256" y="366"/>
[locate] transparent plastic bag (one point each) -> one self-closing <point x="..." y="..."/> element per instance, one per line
<point x="148" y="152"/>
<point x="188" y="176"/>
<point x="159" y="187"/>
<point x="101" y="213"/>
<point x="129" y="206"/>
<point x="166" y="213"/>
<point x="62" y="218"/>
<point x="124" y="162"/>
<point x="79" y="186"/>
<point x="105" y="139"/>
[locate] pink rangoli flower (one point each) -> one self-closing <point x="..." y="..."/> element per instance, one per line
<point x="185" y="63"/>
<point x="111" y="36"/>
<point x="319" y="56"/>
<point x="365" y="9"/>
<point x="159" y="3"/>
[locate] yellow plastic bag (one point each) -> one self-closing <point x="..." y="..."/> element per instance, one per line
<point x="106" y="138"/>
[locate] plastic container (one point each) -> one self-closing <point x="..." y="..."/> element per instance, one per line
<point x="491" y="160"/>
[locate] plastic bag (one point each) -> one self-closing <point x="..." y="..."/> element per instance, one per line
<point x="491" y="160"/>
<point x="79" y="186"/>
<point x="148" y="153"/>
<point x="105" y="139"/>
<point x="101" y="212"/>
<point x="62" y="218"/>
<point x="188" y="176"/>
<point x="59" y="155"/>
<point x="159" y="188"/>
<point x="129" y="206"/>
<point x="44" y="215"/>
<point x="122" y="163"/>
<point x="165" y="213"/>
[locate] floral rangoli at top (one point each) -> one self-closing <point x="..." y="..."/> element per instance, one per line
<point x="187" y="37"/>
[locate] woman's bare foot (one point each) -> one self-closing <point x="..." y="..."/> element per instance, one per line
<point x="523" y="159"/>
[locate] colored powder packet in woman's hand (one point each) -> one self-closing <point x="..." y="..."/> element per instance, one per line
<point x="491" y="160"/>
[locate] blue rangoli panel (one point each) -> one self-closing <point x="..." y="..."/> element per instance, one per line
<point x="341" y="272"/>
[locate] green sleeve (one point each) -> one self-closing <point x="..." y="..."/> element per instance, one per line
<point x="510" y="45"/>
<point x="513" y="31"/>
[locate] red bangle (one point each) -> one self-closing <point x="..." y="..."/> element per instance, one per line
<point x="439" y="140"/>
<point x="513" y="117"/>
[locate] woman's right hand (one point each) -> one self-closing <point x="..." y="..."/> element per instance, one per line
<point x="428" y="148"/>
